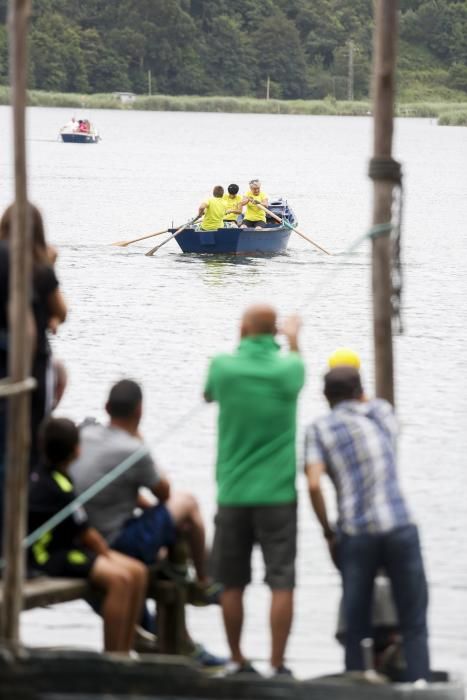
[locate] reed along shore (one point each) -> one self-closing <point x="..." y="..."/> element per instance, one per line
<point x="447" y="113"/>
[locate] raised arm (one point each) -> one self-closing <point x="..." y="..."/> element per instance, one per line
<point x="290" y="328"/>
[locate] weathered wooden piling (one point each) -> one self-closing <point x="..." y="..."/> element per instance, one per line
<point x="384" y="61"/>
<point x="18" y="436"/>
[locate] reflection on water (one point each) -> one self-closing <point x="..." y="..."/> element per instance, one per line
<point x="159" y="319"/>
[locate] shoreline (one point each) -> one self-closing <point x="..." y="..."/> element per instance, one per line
<point x="447" y="113"/>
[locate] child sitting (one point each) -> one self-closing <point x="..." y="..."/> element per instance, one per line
<point x="73" y="549"/>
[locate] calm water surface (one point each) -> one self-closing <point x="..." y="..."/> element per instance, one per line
<point x="159" y="319"/>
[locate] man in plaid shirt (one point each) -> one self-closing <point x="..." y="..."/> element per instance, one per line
<point x="355" y="445"/>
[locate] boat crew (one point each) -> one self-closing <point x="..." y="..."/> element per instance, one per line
<point x="254" y="215"/>
<point x="214" y="210"/>
<point x="233" y="201"/>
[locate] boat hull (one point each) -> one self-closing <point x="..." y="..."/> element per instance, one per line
<point x="79" y="138"/>
<point x="235" y="241"/>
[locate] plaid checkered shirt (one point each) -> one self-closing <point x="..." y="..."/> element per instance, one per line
<point x="357" y="443"/>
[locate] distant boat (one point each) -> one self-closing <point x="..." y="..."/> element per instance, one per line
<point x="79" y="131"/>
<point x="270" y="239"/>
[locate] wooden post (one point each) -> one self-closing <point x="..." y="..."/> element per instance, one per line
<point x="149" y="82"/>
<point x="384" y="60"/>
<point x="351" y="72"/>
<point x="268" y="84"/>
<point x="19" y="351"/>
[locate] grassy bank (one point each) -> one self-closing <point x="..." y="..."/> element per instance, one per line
<point x="447" y="112"/>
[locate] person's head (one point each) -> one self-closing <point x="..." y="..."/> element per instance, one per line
<point x="342" y="384"/>
<point x="260" y="319"/>
<point x="255" y="186"/>
<point x="218" y="191"/>
<point x="39" y="245"/>
<point x="233" y="189"/>
<point x="59" y="442"/>
<point x="344" y="357"/>
<point x="125" y="403"/>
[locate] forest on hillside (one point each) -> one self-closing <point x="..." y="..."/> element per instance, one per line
<point x="231" y="47"/>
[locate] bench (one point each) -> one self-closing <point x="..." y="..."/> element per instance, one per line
<point x="170" y="597"/>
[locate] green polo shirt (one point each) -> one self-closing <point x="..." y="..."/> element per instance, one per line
<point x="257" y="389"/>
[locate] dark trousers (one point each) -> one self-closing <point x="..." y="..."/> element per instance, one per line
<point x="398" y="552"/>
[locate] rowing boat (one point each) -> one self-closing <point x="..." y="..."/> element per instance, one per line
<point x="272" y="238"/>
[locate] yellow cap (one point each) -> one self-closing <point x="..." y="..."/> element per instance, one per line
<point x="344" y="356"/>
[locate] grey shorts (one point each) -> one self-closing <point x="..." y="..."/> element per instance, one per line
<point x="239" y="528"/>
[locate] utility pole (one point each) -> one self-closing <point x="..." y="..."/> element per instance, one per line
<point x="18" y="429"/>
<point x="149" y="83"/>
<point x="350" y="81"/>
<point x="268" y="83"/>
<point x="385" y="41"/>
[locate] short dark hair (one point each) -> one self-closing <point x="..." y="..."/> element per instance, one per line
<point x="58" y="439"/>
<point x="218" y="191"/>
<point x="233" y="189"/>
<point x="124" y="398"/>
<point x="342" y="384"/>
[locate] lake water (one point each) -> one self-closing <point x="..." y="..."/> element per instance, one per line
<point x="159" y="319"/>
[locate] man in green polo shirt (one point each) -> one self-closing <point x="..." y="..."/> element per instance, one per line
<point x="257" y="389"/>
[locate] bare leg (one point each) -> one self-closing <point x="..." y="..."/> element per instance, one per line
<point x="281" y="622"/>
<point x="232" y="610"/>
<point x="139" y="574"/>
<point x="118" y="610"/>
<point x="186" y="514"/>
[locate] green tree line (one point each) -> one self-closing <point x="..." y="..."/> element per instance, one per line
<point x="220" y="47"/>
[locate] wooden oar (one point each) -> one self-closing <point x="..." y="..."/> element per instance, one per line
<point x="286" y="223"/>
<point x="182" y="228"/>
<point x="122" y="244"/>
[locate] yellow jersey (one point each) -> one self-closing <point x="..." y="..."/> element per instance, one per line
<point x="232" y="202"/>
<point x="214" y="214"/>
<point x="253" y="212"/>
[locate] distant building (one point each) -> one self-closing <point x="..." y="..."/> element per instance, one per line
<point x="124" y="96"/>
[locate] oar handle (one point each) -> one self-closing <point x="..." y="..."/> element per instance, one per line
<point x="182" y="228"/>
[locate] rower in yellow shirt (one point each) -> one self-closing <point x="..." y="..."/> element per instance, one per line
<point x="255" y="216"/>
<point x="232" y="200"/>
<point x="214" y="210"/>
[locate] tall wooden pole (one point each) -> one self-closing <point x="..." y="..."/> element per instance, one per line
<point x="351" y="72"/>
<point x="19" y="353"/>
<point x="385" y="39"/>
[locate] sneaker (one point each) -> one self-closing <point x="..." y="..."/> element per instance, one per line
<point x="206" y="595"/>
<point x="205" y="659"/>
<point x="233" y="668"/>
<point x="145" y="642"/>
<point x="282" y="672"/>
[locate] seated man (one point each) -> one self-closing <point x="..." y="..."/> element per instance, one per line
<point x="74" y="549"/>
<point x="255" y="216"/>
<point x="232" y="200"/>
<point x="111" y="511"/>
<point x="214" y="209"/>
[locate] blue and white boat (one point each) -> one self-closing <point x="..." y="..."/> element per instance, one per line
<point x="270" y="239"/>
<point x="81" y="131"/>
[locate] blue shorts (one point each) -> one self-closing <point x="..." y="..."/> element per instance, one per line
<point x="143" y="536"/>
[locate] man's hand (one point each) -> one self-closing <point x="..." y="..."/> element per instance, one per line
<point x="331" y="541"/>
<point x="290" y="327"/>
